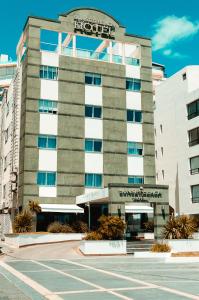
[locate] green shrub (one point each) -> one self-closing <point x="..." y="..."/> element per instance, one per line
<point x="149" y="226"/>
<point x="181" y="227"/>
<point x="23" y="222"/>
<point x="80" y="227"/>
<point x="57" y="227"/>
<point x="111" y="228"/>
<point x="93" y="236"/>
<point x="160" y="248"/>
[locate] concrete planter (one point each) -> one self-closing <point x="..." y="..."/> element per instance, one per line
<point x="152" y="254"/>
<point x="20" y="240"/>
<point x="188" y="245"/>
<point x="103" y="247"/>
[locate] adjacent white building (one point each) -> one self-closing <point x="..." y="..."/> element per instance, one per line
<point x="177" y="138"/>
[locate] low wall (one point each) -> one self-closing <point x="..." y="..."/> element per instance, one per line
<point x="103" y="247"/>
<point x="188" y="245"/>
<point x="146" y="254"/>
<point x="19" y="240"/>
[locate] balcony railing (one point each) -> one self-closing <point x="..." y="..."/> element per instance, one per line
<point x="90" y="54"/>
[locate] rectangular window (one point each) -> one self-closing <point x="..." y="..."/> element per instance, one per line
<point x="47" y="142"/>
<point x="48" y="106"/>
<point x="6" y="135"/>
<point x="93" y="79"/>
<point x="93" y="111"/>
<point x="47" y="72"/>
<point x="93" y="145"/>
<point x="193" y="136"/>
<point x="133" y="84"/>
<point x="195" y="193"/>
<point x="193" y="109"/>
<point x="93" y="180"/>
<point x="46" y="178"/>
<point x="135" y="148"/>
<point x="136" y="179"/>
<point x="134" y="116"/>
<point x="194" y="165"/>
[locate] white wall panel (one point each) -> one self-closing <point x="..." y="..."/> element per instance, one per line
<point x="49" y="89"/>
<point x="89" y="190"/>
<point x="134" y="132"/>
<point x="48" y="124"/>
<point x="48" y="160"/>
<point x="93" y="95"/>
<point x="47" y="191"/>
<point x="132" y="71"/>
<point x="94" y="163"/>
<point x="93" y="128"/>
<point x="50" y="59"/>
<point x="135" y="165"/>
<point x="133" y="100"/>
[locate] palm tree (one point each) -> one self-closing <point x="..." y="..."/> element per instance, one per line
<point x="35" y="208"/>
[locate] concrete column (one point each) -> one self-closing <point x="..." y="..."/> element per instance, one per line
<point x="123" y="53"/>
<point x="74" y="45"/>
<point x="111" y="51"/>
<point x="59" y="43"/>
<point x="161" y="215"/>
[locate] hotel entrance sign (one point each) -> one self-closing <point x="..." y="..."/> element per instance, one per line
<point x="92" y="27"/>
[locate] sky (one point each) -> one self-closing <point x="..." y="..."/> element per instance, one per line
<point x="173" y="25"/>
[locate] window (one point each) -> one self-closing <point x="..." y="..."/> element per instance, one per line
<point x="93" y="111"/>
<point x="161" y="129"/>
<point x="162" y="174"/>
<point x="184" y="76"/>
<point x="93" y="79"/>
<point x="162" y="151"/>
<point x="6" y="135"/>
<point x="47" y="72"/>
<point x="195" y="193"/>
<point x="93" y="145"/>
<point x="133" y="84"/>
<point x="4" y="191"/>
<point x="193" y="136"/>
<point x="135" y="148"/>
<point x="156" y="153"/>
<point x="46" y="178"/>
<point x="194" y="165"/>
<point x="47" y="142"/>
<point x="48" y="106"/>
<point x="136" y="179"/>
<point x="134" y="116"/>
<point x="193" y="109"/>
<point x="93" y="180"/>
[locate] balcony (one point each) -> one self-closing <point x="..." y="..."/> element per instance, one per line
<point x="90" y="48"/>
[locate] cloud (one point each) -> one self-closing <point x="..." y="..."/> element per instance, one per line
<point x="174" y="54"/>
<point x="172" y="29"/>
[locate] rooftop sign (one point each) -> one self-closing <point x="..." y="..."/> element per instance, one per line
<point x="94" y="27"/>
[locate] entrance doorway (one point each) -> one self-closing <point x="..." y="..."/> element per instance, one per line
<point x="138" y="224"/>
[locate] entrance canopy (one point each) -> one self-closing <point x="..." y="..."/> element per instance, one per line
<point x="102" y="196"/>
<point x="62" y="208"/>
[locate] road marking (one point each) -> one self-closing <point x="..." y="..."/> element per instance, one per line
<point x="170" y="290"/>
<point x="99" y="287"/>
<point x="104" y="290"/>
<point x="33" y="284"/>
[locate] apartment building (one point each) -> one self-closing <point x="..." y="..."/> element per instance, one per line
<point x="86" y="134"/>
<point x="7" y="71"/>
<point x="177" y="142"/>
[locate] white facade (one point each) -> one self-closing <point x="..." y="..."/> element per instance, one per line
<point x="172" y="126"/>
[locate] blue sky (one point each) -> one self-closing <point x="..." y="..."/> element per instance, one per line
<point x="173" y="25"/>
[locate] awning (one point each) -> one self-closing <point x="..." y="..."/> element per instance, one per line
<point x="63" y="208"/>
<point x="138" y="209"/>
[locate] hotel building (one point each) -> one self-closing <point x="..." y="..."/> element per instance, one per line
<point x="177" y="139"/>
<point x="85" y="114"/>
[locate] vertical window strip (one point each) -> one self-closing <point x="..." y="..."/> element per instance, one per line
<point x="48" y="72"/>
<point x="46" y="178"/>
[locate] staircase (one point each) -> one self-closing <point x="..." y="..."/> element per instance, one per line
<point x="139" y="246"/>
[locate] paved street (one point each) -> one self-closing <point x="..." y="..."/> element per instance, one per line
<point x="79" y="278"/>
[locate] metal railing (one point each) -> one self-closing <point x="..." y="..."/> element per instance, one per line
<point x="89" y="54"/>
